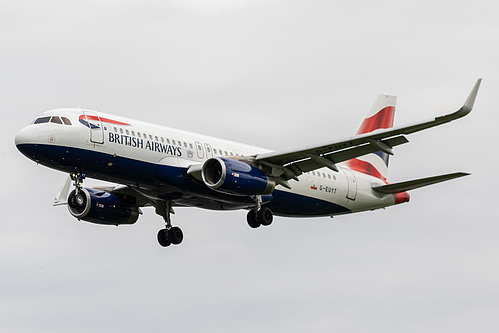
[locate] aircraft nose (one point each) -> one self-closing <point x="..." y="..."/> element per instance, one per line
<point x="26" y="136"/>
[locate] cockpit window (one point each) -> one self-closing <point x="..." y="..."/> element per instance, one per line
<point x="56" y="120"/>
<point x="42" y="120"/>
<point x="53" y="119"/>
<point x="66" y="121"/>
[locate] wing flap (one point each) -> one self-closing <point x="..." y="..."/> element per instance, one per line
<point x="313" y="162"/>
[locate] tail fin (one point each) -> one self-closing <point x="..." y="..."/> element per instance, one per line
<point x="380" y="116"/>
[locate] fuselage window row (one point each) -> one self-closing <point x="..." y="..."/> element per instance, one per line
<point x="156" y="138"/>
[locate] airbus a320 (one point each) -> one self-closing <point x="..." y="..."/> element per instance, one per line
<point x="166" y="168"/>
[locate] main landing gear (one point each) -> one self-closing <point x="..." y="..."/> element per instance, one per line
<point x="169" y="235"/>
<point x="260" y="215"/>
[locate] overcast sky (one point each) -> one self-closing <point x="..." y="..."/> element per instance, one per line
<point x="276" y="74"/>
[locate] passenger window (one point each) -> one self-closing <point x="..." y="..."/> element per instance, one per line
<point x="133" y="133"/>
<point x="116" y="130"/>
<point x="121" y="130"/>
<point x="127" y="133"/>
<point x="150" y="137"/>
<point x="323" y="175"/>
<point x="138" y="134"/>
<point x="66" y="121"/>
<point x="174" y="143"/>
<point x="42" y="120"/>
<point x="167" y="140"/>
<point x="190" y="145"/>
<point x="329" y="176"/>
<point x="56" y="120"/>
<point x="156" y="138"/>
<point x="162" y="139"/>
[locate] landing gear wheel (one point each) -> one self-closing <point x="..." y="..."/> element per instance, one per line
<point x="163" y="238"/>
<point x="265" y="216"/>
<point x="252" y="219"/>
<point x="175" y="235"/>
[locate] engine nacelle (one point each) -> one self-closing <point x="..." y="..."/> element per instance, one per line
<point x="235" y="177"/>
<point x="101" y="207"/>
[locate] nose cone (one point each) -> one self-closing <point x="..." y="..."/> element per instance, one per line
<point x="29" y="134"/>
<point x="26" y="138"/>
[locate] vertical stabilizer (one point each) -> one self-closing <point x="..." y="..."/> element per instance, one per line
<point x="380" y="116"/>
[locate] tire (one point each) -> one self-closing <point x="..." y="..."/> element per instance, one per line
<point x="265" y="216"/>
<point x="252" y="220"/>
<point x="175" y="235"/>
<point x="163" y="238"/>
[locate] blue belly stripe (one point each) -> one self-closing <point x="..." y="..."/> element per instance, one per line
<point x="173" y="182"/>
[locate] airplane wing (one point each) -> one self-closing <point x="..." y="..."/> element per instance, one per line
<point x="290" y="164"/>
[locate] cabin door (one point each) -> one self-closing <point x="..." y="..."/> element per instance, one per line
<point x="352" y="184"/>
<point x="96" y="127"/>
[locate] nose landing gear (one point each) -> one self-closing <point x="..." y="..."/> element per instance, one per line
<point x="78" y="178"/>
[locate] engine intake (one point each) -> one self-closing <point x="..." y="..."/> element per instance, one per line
<point x="235" y="177"/>
<point x="101" y="207"/>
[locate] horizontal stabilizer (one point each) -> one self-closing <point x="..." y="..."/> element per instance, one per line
<point x="417" y="183"/>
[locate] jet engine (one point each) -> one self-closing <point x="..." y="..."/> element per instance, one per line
<point x="235" y="177"/>
<point x="101" y="207"/>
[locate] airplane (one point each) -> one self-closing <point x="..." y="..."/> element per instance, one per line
<point x="164" y="168"/>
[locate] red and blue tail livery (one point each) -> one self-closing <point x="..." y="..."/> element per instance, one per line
<point x="380" y="116"/>
<point x="166" y="168"/>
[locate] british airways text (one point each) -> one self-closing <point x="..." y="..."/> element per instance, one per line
<point x="144" y="144"/>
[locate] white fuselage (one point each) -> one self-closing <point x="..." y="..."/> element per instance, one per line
<point x="121" y="150"/>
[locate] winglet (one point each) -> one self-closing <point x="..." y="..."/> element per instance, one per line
<point x="468" y="105"/>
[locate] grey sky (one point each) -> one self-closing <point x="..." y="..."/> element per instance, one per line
<point x="276" y="74"/>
